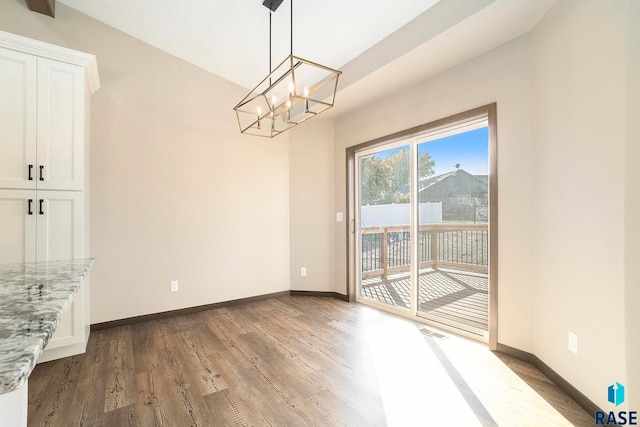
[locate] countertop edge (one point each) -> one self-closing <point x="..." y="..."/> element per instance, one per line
<point x="37" y="318"/>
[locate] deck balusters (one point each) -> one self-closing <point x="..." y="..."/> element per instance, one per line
<point x="387" y="250"/>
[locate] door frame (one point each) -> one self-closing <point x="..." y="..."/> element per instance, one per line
<point x="490" y="111"/>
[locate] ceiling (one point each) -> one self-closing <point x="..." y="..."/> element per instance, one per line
<point x="371" y="41"/>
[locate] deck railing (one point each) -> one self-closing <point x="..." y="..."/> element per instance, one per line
<point x="387" y="250"/>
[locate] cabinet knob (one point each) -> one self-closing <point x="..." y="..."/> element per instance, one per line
<point x="40" y="209"/>
<point x="41" y="173"/>
<point x="29" y="210"/>
<point x="30" y="173"/>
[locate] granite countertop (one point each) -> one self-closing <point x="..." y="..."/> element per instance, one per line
<point x="33" y="297"/>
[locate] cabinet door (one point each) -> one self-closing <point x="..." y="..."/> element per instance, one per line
<point x="17" y="119"/>
<point x="60" y="128"/>
<point x="60" y="225"/>
<point x="71" y="327"/>
<point x="17" y="226"/>
<point x="60" y="231"/>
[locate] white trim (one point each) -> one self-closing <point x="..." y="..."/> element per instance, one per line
<point x="455" y="129"/>
<point x="56" y="53"/>
<point x="414" y="234"/>
<point x="382" y="148"/>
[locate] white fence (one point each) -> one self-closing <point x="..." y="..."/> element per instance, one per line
<point x="399" y="214"/>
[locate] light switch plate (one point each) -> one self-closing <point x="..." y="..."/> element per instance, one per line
<point x="338" y="216"/>
<point x="303" y="271"/>
<point x="174" y="286"/>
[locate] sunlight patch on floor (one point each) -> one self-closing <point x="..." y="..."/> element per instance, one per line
<point x="457" y="382"/>
<point x="424" y="396"/>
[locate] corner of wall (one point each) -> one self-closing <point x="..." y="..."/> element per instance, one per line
<point x="311" y="206"/>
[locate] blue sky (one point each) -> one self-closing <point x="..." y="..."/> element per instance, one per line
<point x="470" y="149"/>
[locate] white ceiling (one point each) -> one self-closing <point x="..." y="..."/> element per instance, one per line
<point x="378" y="45"/>
<point x="231" y="37"/>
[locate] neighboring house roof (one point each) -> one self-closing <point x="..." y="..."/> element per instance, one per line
<point x="482" y="178"/>
<point x="432" y="180"/>
<point x="425" y="183"/>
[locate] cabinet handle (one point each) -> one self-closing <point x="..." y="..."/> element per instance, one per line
<point x="29" y="210"/>
<point x="41" y="173"/>
<point x="30" y="172"/>
<point x="41" y="212"/>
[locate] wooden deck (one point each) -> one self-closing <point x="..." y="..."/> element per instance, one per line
<point x="453" y="297"/>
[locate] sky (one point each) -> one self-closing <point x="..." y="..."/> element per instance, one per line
<point x="469" y="149"/>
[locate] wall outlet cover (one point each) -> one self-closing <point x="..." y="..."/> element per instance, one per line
<point x="573" y="342"/>
<point x="174" y="286"/>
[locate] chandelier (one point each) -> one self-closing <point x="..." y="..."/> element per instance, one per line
<point x="293" y="92"/>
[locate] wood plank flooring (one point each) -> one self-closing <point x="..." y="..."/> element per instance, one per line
<point x="291" y="361"/>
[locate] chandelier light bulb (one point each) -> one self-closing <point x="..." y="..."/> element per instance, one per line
<point x="259" y="111"/>
<point x="306" y="99"/>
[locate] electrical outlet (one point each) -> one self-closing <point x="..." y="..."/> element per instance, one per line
<point x="174" y="286"/>
<point x="338" y="216"/>
<point x="303" y="271"/>
<point x="573" y="342"/>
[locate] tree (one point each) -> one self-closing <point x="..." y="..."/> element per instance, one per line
<point x="386" y="180"/>
<point x="426" y="165"/>
<point x="375" y="178"/>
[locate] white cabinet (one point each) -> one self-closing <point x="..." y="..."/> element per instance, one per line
<point x="60" y="225"/>
<point x="44" y="111"/>
<point x="42" y="225"/>
<point x="17" y="226"/>
<point x="18" y="114"/>
<point x="42" y="121"/>
<point x="60" y="124"/>
<point x="48" y="225"/>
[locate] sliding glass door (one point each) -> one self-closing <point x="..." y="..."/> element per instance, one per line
<point x="384" y="227"/>
<point x="422" y="238"/>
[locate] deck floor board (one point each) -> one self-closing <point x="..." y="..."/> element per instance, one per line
<point x="444" y="295"/>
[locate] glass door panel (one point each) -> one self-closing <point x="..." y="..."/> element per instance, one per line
<point x="384" y="221"/>
<point x="453" y="229"/>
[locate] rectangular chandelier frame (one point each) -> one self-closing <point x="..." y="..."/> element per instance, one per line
<point x="293" y="92"/>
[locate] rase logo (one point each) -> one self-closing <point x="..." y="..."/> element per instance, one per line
<point x="615" y="395"/>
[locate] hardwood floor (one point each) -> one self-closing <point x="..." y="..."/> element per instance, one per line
<point x="291" y="361"/>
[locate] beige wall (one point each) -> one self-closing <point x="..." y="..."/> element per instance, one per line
<point x="176" y="192"/>
<point x="503" y="76"/>
<point x="579" y="137"/>
<point x="632" y="207"/>
<point x="312" y="219"/>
